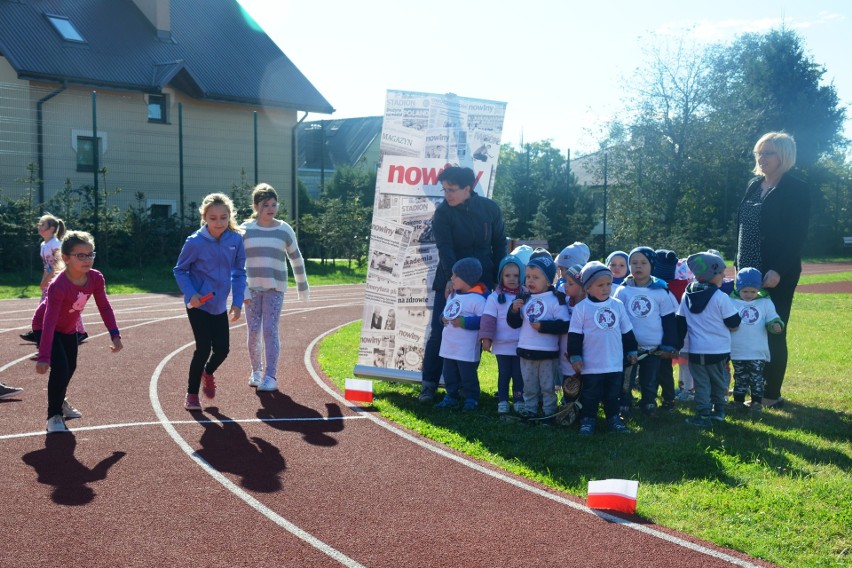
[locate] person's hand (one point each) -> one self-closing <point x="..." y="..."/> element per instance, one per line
<point x="456" y="322"/>
<point x="771" y="279"/>
<point x="247" y="301"/>
<point x="235" y="312"/>
<point x="535" y="325"/>
<point x="444" y="320"/>
<point x="632" y="359"/>
<point x="195" y="300"/>
<point x="116" y="345"/>
<point x="486" y="345"/>
<point x="577" y="366"/>
<point x="517" y="305"/>
<point x="776" y="328"/>
<point x="448" y="289"/>
<point x="41" y="368"/>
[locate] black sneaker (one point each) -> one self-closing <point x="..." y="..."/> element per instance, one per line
<point x="81" y="337"/>
<point x="29" y="336"/>
<point x="8" y="392"/>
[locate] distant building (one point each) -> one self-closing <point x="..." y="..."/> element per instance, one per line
<point x="325" y="145"/>
<point x="156" y="66"/>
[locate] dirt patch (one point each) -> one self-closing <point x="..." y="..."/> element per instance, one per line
<point x="825" y="288"/>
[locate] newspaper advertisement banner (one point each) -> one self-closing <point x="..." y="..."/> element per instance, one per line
<point x="422" y="134"/>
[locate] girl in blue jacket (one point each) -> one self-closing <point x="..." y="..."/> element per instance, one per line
<point x="211" y="264"/>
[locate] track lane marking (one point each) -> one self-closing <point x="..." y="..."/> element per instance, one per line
<point x="441" y="451"/>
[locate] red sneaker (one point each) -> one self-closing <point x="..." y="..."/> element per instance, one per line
<point x="191" y="402"/>
<point x="208" y="385"/>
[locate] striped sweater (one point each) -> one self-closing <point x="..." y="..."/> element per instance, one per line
<point x="267" y="249"/>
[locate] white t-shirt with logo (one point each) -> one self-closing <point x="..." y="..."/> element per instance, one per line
<point x="750" y="342"/>
<point x="706" y="330"/>
<point x="541" y="307"/>
<point x="457" y="343"/>
<point x="602" y="325"/>
<point x="505" y="341"/>
<point x="646" y="308"/>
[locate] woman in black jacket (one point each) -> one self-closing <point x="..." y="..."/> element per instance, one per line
<point x="464" y="225"/>
<point x="772" y="224"/>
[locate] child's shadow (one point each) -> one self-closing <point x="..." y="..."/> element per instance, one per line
<point x="56" y="465"/>
<point x="225" y="446"/>
<point x="283" y="413"/>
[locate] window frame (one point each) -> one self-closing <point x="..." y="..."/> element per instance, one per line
<point x="65" y="27"/>
<point x="163" y="99"/>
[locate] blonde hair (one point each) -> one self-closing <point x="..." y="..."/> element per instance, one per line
<point x="261" y="193"/>
<point x="782" y="144"/>
<point x="219" y="199"/>
<point x="55" y="222"/>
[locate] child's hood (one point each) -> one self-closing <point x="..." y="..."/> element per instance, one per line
<point x="698" y="295"/>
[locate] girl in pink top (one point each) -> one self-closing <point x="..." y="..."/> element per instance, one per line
<point x="55" y="323"/>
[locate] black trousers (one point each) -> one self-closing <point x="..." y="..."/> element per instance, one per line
<point x="773" y="373"/>
<point x="63" y="363"/>
<point x="212" y="344"/>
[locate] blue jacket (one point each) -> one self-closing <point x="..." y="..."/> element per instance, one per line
<point x="207" y="265"/>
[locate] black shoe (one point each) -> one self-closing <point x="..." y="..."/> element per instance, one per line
<point x="81" y="337"/>
<point x="29" y="336"/>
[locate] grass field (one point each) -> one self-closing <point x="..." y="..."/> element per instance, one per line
<point x="778" y="489"/>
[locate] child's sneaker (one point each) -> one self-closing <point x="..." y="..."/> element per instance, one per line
<point x="685" y="395"/>
<point x="426" y="396"/>
<point x="667" y="406"/>
<point x="192" y="402"/>
<point x="503" y="407"/>
<point x="700" y="421"/>
<point x="268" y="385"/>
<point x="255" y="379"/>
<point x="616" y="425"/>
<point x="587" y="426"/>
<point x="56" y="424"/>
<point x="718" y="413"/>
<point x="208" y="385"/>
<point x="520" y="407"/>
<point x="7" y="392"/>
<point x="448" y="403"/>
<point x="756" y="410"/>
<point x="470" y="405"/>
<point x="68" y="411"/>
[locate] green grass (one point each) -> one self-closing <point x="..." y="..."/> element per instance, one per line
<point x="778" y="489"/>
<point x="159" y="279"/>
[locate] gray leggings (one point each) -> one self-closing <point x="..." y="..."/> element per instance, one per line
<point x="262" y="315"/>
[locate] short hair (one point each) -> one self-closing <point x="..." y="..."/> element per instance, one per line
<point x="782" y="144"/>
<point x="462" y="177"/>
<point x="74" y="238"/>
<point x="218" y="199"/>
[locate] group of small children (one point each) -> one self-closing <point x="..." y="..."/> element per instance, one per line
<point x="547" y="332"/>
<point x="248" y="263"/>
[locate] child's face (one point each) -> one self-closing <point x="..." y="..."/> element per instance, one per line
<point x="618" y="266"/>
<point x="81" y="259"/>
<point x="600" y="288"/>
<point x="267" y="209"/>
<point x="536" y="281"/>
<point x="749" y="294"/>
<point x="572" y="289"/>
<point x="640" y="268"/>
<point x="45" y="231"/>
<point x="217" y="217"/>
<point x="511" y="276"/>
<point x="459" y="285"/>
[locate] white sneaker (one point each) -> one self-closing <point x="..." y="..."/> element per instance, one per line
<point x="267" y="385"/>
<point x="255" y="379"/>
<point x="56" y="424"/>
<point x="69" y="411"/>
<point x="520" y="407"/>
<point x="503" y="407"/>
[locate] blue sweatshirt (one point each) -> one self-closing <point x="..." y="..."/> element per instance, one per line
<point x="208" y="265"/>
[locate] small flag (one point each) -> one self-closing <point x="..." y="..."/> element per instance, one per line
<point x="613" y="494"/>
<point x="359" y="390"/>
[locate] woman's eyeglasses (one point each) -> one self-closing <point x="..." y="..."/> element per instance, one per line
<point x="83" y="257"/>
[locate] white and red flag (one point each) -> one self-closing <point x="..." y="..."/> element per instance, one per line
<point x="359" y="390"/>
<point x="613" y="494"/>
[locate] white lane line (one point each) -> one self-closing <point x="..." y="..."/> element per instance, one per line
<point x="158" y="423"/>
<point x="440" y="450"/>
<point x="227" y="483"/>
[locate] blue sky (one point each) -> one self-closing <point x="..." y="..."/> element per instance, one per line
<point x="562" y="66"/>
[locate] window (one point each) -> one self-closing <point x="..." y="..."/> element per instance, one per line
<point x="161" y="208"/>
<point x="157" y="105"/>
<point x="66" y="29"/>
<point x="86" y="154"/>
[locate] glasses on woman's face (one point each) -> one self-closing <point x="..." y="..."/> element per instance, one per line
<point x="452" y="188"/>
<point x="83" y="257"/>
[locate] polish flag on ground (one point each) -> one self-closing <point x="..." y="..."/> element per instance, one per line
<point x="359" y="390"/>
<point x="613" y="494"/>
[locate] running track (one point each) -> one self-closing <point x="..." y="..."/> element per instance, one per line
<point x="293" y="478"/>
